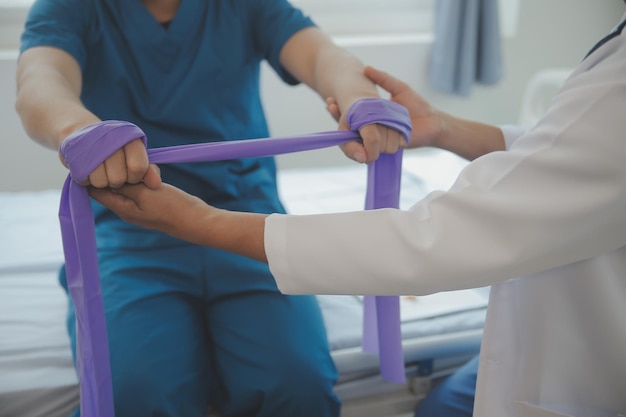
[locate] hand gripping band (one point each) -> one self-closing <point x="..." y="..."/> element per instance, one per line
<point x="87" y="148"/>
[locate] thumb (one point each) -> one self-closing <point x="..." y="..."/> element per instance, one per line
<point x="107" y="197"/>
<point x="387" y="82"/>
<point x="152" y="178"/>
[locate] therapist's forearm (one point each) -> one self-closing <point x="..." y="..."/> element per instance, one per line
<point x="170" y="210"/>
<point x="236" y="232"/>
<point x="468" y="139"/>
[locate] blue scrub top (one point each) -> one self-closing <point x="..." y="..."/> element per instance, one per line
<point x="196" y="81"/>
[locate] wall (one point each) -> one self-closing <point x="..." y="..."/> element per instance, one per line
<point x="550" y="33"/>
<point x="543" y="39"/>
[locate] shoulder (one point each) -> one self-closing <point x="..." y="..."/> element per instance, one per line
<point x="53" y="16"/>
<point x="265" y="9"/>
<point x="62" y="10"/>
<point x="60" y="23"/>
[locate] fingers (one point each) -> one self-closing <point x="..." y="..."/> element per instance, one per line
<point x="126" y="200"/>
<point x="385" y="81"/>
<point x="355" y="151"/>
<point x="377" y="139"/>
<point x="111" y="173"/>
<point x="136" y="160"/>
<point x="374" y="141"/>
<point x="115" y="169"/>
<point x="114" y="200"/>
<point x="152" y="179"/>
<point x="333" y="108"/>
<point x="128" y="165"/>
<point x="98" y="177"/>
<point x="131" y="192"/>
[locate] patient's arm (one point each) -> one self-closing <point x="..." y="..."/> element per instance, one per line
<point x="49" y="84"/>
<point x="179" y="214"/>
<point x="312" y="57"/>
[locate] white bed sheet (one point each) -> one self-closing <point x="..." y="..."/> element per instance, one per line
<point x="34" y="347"/>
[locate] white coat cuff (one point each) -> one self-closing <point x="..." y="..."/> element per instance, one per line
<point x="276" y="250"/>
<point x="511" y="133"/>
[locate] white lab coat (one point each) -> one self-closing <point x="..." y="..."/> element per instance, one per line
<point x="543" y="222"/>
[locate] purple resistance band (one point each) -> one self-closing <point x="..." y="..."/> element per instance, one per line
<point x="87" y="148"/>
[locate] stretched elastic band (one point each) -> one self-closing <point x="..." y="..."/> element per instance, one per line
<point x="87" y="148"/>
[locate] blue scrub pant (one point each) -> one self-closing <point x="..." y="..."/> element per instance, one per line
<point x="190" y="327"/>
<point x="454" y="397"/>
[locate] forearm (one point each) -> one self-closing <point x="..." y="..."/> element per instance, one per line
<point x="468" y="139"/>
<point x="340" y="75"/>
<point x="314" y="59"/>
<point x="184" y="216"/>
<point x="48" y="96"/>
<point x="236" y="232"/>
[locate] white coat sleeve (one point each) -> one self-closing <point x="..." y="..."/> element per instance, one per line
<point x="557" y="196"/>
<point x="511" y="133"/>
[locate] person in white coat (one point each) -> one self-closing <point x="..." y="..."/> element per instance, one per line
<point x="538" y="215"/>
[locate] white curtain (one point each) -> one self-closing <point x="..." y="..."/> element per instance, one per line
<point x="467" y="47"/>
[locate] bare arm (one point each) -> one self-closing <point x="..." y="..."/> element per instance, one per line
<point x="194" y="221"/>
<point x="467" y="138"/>
<point x="313" y="58"/>
<point x="49" y="83"/>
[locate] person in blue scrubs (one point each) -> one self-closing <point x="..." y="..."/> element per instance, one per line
<point x="190" y="327"/>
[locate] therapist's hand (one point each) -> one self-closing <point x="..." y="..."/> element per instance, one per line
<point x="164" y="208"/>
<point x="179" y="214"/>
<point x="433" y="127"/>
<point x="426" y="121"/>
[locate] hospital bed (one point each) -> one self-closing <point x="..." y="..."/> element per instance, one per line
<point x="37" y="378"/>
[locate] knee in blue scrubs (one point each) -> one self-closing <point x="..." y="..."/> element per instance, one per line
<point x="270" y="354"/>
<point x="245" y="349"/>
<point x="157" y="339"/>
